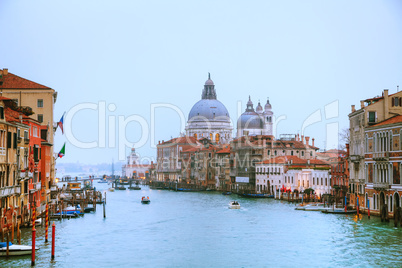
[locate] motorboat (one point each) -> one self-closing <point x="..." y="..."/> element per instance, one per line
<point x="15" y="250"/>
<point x="234" y="205"/>
<point x="339" y="211"/>
<point x="145" y="200"/>
<point x="312" y="207"/>
<point x="134" y="188"/>
<point x="111" y="189"/>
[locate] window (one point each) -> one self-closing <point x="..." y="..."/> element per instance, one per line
<point x="269" y="152"/>
<point x="371" y="117"/>
<point x="40" y="103"/>
<point x="291" y="153"/>
<point x="302" y="153"/>
<point x="275" y="152"/>
<point x="1" y="112"/>
<point x="40" y="118"/>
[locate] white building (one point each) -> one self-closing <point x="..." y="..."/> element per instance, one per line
<point x="292" y="173"/>
<point x="133" y="167"/>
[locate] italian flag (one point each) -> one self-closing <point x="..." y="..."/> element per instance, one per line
<point x="62" y="151"/>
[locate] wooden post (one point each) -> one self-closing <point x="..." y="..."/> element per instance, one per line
<point x="47" y="222"/>
<point x="105" y="198"/>
<point x="12" y="230"/>
<point x="33" y="246"/>
<point x="53" y="239"/>
<point x="104" y="210"/>
<point x="61" y="210"/>
<point x="368" y="208"/>
<point x="33" y="216"/>
<point x="18" y="234"/>
<point x="8" y="240"/>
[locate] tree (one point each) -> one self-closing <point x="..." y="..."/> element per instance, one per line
<point x="344" y="138"/>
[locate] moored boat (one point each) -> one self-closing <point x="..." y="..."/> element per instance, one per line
<point x="234" y="205"/>
<point x="339" y="211"/>
<point x="15" y="250"/>
<point x="227" y="193"/>
<point x="134" y="188"/>
<point x="111" y="189"/>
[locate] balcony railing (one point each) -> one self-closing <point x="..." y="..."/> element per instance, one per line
<point x="10" y="190"/>
<point x="381" y="185"/>
<point x="384" y="156"/>
<point x="26" y="140"/>
<point x="355" y="158"/>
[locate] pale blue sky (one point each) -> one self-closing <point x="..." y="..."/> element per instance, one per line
<point x="303" y="55"/>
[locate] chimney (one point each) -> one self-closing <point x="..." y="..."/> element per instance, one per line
<point x="307" y="140"/>
<point x="361" y="104"/>
<point x="302" y="139"/>
<point x="312" y="142"/>
<point x="353" y="109"/>
<point x="5" y="71"/>
<point x="386" y="103"/>
<point x="347" y="149"/>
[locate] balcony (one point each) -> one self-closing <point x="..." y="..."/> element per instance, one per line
<point x="10" y="190"/>
<point x="381" y="186"/>
<point x="384" y="156"/>
<point x="355" y="158"/>
<point x="26" y="140"/>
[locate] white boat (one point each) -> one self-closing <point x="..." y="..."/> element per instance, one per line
<point x="145" y="200"/>
<point x="15" y="250"/>
<point x="111" y="189"/>
<point x="234" y="205"/>
<point x="312" y="207"/>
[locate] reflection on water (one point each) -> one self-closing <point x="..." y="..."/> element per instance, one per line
<point x="198" y="230"/>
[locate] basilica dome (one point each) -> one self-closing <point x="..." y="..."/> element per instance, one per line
<point x="209" y="118"/>
<point x="208" y="109"/>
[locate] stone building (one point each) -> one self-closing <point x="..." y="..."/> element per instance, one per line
<point x="168" y="167"/>
<point x="383" y="165"/>
<point x="38" y="101"/>
<point x="134" y="168"/>
<point x="372" y="111"/>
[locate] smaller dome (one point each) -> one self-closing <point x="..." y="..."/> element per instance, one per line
<point x="259" y="108"/>
<point x="268" y="105"/>
<point x="250" y="120"/>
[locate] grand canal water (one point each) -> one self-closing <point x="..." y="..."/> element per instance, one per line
<point x="184" y="229"/>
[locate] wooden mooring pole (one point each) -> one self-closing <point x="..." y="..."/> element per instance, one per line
<point x="53" y="238"/>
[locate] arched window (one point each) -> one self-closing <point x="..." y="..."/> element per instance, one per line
<point x="302" y="153"/>
<point x="390" y="203"/>
<point x="195" y="135"/>
<point x="210" y="136"/>
<point x="217" y="138"/>
<point x="374" y="203"/>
